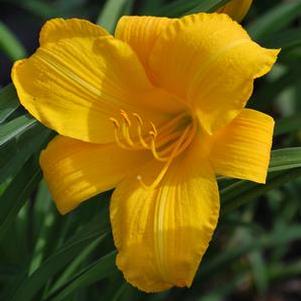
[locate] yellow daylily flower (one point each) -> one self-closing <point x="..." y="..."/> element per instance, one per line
<point x="156" y="113"/>
<point x="236" y="9"/>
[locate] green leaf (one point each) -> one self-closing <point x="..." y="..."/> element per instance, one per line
<point x="150" y="7"/>
<point x="41" y="9"/>
<point x="185" y="7"/>
<point x="112" y="11"/>
<point x="285" y="271"/>
<point x="55" y="9"/>
<point x="14" y="154"/>
<point x="287" y="158"/>
<point x="31" y="285"/>
<point x="275" y="19"/>
<point x="284" y="39"/>
<point x="40" y="248"/>
<point x="128" y="292"/>
<point x="208" y="6"/>
<point x="9" y="44"/>
<point x="242" y="192"/>
<point x="74" y="265"/>
<point x="16" y="194"/>
<point x="8" y="102"/>
<point x="15" y="127"/>
<point x="97" y="271"/>
<point x="226" y="258"/>
<point x="259" y="271"/>
<point x="288" y="125"/>
<point x="273" y="87"/>
<point x="218" y="293"/>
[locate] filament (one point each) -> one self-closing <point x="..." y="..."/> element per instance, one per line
<point x="165" y="144"/>
<point x="163" y="171"/>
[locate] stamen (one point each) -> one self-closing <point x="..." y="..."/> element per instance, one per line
<point x="125" y="128"/>
<point x="139" y="130"/>
<point x="125" y="117"/>
<point x="163" y="141"/>
<point x="162" y="173"/>
<point x="116" y="133"/>
<point x="154" y="130"/>
<point x="165" y="144"/>
<point x="189" y="139"/>
<point x="155" y="152"/>
<point x="173" y="122"/>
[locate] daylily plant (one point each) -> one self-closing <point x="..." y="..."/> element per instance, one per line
<point x="156" y="112"/>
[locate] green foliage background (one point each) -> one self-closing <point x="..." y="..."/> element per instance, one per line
<point x="255" y="253"/>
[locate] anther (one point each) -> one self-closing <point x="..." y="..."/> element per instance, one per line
<point x="139" y="119"/>
<point x="116" y="133"/>
<point x="154" y="130"/>
<point x="125" y="128"/>
<point x="139" y="130"/>
<point x="165" y="145"/>
<point x="115" y="122"/>
<point x="125" y="117"/>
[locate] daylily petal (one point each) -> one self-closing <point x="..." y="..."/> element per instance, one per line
<point x="58" y="29"/>
<point x="209" y="60"/>
<point x="78" y="79"/>
<point x="236" y="9"/>
<point x="141" y="33"/>
<point x="162" y="234"/>
<point x="75" y="171"/>
<point x="242" y="149"/>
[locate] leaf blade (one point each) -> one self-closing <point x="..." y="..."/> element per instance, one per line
<point x="15" y="127"/>
<point x="275" y="19"/>
<point x="10" y="44"/>
<point x="95" y="272"/>
<point x="111" y="12"/>
<point x="8" y="102"/>
<point x="31" y="285"/>
<point x="181" y="7"/>
<point x="18" y="191"/>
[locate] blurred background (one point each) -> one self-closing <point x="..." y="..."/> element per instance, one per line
<point x="255" y="253"/>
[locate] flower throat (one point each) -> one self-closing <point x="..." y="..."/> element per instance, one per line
<point x="166" y="142"/>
